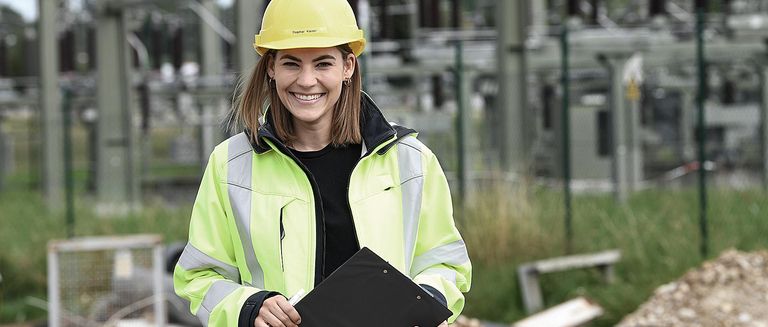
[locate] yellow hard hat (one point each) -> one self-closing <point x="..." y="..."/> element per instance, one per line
<point x="291" y="24"/>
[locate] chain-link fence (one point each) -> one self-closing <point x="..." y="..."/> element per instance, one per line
<point x="101" y="281"/>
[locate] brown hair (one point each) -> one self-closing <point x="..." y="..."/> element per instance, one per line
<point x="252" y="99"/>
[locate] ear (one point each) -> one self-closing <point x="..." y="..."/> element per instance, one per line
<point x="270" y="66"/>
<point x="349" y="65"/>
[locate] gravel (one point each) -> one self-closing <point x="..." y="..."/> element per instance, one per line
<point x="731" y="290"/>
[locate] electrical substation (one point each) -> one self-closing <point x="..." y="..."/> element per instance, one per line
<point x="481" y="79"/>
<point x="122" y="101"/>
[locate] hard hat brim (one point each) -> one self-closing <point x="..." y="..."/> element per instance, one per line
<point x="357" y="46"/>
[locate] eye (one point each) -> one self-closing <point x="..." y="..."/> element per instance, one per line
<point x="290" y="64"/>
<point x="324" y="64"/>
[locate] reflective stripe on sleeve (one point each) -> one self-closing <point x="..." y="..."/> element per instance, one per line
<point x="412" y="183"/>
<point x="239" y="188"/>
<point x="454" y="253"/>
<point x="448" y="274"/>
<point x="192" y="258"/>
<point x="216" y="293"/>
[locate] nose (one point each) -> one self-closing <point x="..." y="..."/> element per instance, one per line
<point x="306" y="78"/>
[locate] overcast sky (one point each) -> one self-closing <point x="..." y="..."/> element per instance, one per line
<point x="28" y="8"/>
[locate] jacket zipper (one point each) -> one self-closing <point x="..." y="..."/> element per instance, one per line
<point x="319" y="251"/>
<point x="349" y="182"/>
<point x="349" y="205"/>
<point x="282" y="236"/>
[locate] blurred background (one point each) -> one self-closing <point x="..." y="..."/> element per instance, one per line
<point x="564" y="126"/>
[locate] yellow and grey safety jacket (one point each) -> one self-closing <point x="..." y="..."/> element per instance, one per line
<point x="254" y="226"/>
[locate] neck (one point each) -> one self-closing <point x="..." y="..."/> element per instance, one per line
<point x="311" y="137"/>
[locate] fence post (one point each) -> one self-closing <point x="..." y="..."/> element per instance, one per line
<point x="462" y="120"/>
<point x="4" y="154"/>
<point x="702" y="129"/>
<point x="66" y="106"/>
<point x="566" y="136"/>
<point x="764" y="124"/>
<point x="50" y="109"/>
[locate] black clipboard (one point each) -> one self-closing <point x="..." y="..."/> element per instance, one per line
<point x="368" y="291"/>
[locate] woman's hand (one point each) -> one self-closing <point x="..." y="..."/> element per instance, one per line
<point x="277" y="312"/>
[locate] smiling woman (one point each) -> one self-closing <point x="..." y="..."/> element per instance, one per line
<point x="309" y="84"/>
<point x="314" y="174"/>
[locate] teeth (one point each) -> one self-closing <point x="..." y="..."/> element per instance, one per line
<point x="307" y="97"/>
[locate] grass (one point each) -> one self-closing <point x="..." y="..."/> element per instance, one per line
<point x="657" y="232"/>
<point x="27" y="227"/>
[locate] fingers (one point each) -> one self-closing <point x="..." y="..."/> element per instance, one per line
<point x="277" y="312"/>
<point x="289" y="310"/>
<point x="260" y="322"/>
<point x="270" y="320"/>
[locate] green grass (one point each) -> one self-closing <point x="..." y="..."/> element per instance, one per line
<point x="657" y="232"/>
<point x="27" y="227"/>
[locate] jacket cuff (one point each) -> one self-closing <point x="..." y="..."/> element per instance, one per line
<point x="251" y="307"/>
<point x="435" y="294"/>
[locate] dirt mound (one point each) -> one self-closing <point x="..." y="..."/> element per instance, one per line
<point x="731" y="290"/>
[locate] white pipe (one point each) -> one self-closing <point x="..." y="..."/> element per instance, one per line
<point x="140" y="48"/>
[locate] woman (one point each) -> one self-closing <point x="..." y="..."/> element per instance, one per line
<point x="313" y="178"/>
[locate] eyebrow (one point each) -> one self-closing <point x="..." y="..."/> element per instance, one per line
<point x="323" y="57"/>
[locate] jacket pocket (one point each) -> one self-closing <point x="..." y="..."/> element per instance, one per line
<point x="371" y="188"/>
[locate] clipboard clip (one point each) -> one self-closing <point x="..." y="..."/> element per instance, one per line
<point x="296" y="297"/>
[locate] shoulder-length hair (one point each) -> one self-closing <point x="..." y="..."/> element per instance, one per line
<point x="252" y="100"/>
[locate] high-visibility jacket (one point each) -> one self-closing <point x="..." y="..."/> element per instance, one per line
<point x="256" y="224"/>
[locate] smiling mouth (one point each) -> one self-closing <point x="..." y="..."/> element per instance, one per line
<point x="307" y="97"/>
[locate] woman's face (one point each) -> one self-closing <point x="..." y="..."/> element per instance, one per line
<point x="309" y="82"/>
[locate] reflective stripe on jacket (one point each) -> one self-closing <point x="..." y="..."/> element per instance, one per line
<point x="255" y="224"/>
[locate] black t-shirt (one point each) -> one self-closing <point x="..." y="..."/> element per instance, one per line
<point x="331" y="168"/>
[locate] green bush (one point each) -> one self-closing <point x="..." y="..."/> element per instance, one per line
<point x="657" y="232"/>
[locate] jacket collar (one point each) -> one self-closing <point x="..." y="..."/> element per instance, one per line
<point x="374" y="127"/>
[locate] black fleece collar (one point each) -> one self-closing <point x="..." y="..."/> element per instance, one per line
<point x="375" y="128"/>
